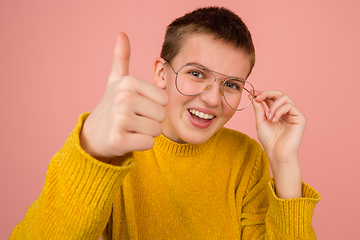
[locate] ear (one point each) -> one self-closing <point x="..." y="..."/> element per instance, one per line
<point x="159" y="72"/>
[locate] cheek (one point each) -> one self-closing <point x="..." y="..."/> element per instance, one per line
<point x="176" y="103"/>
<point x="228" y="112"/>
<point x="176" y="99"/>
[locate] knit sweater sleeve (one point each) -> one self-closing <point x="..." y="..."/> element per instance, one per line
<point x="76" y="200"/>
<point x="265" y="216"/>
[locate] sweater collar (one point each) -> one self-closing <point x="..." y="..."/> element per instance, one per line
<point x="182" y="149"/>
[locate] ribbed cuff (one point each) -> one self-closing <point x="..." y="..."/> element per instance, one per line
<point x="293" y="216"/>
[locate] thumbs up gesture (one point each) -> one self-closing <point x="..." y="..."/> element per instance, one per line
<point x="128" y="116"/>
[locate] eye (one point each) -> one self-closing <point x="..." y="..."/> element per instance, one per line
<point x="232" y="85"/>
<point x="196" y="74"/>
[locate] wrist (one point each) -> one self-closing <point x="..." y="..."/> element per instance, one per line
<point x="86" y="145"/>
<point x="287" y="178"/>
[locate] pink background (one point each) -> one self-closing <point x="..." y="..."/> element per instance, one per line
<point x="55" y="59"/>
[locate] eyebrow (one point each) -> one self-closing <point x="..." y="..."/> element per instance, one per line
<point x="200" y="65"/>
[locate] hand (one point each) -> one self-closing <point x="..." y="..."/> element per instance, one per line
<point x="129" y="114"/>
<point x="280" y="132"/>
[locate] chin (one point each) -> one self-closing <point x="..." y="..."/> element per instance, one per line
<point x="196" y="139"/>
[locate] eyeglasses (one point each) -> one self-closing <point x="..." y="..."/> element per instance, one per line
<point x="192" y="80"/>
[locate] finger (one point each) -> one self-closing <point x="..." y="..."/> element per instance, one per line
<point x="140" y="141"/>
<point x="268" y="97"/>
<point x="121" y="58"/>
<point x="280" y="101"/>
<point x="261" y="98"/>
<point x="153" y="93"/>
<point x="293" y="115"/>
<point x="143" y="125"/>
<point x="273" y="97"/>
<point x="259" y="110"/>
<point x="255" y="94"/>
<point x="149" y="109"/>
<point x="145" y="89"/>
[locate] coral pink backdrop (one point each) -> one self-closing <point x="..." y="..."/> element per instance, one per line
<point x="55" y="59"/>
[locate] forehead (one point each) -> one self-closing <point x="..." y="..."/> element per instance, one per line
<point x="213" y="54"/>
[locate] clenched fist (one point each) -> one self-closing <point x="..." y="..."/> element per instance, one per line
<point x="128" y="116"/>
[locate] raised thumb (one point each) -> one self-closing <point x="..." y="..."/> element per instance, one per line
<point x="121" y="59"/>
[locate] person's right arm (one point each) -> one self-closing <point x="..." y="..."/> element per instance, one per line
<point x="83" y="176"/>
<point x="76" y="200"/>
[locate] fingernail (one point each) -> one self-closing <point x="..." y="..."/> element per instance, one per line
<point x="270" y="115"/>
<point x="273" y="120"/>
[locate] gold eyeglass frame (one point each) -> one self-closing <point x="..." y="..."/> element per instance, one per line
<point x="210" y="85"/>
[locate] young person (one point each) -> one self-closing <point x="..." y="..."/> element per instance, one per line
<point x="155" y="162"/>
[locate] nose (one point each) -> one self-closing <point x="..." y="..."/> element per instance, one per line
<point x="213" y="94"/>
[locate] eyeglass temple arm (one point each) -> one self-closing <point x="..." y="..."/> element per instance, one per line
<point x="250" y="93"/>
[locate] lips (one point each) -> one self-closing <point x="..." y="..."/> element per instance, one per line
<point x="200" y="119"/>
<point x="201" y="114"/>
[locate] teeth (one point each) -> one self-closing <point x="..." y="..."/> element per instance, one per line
<point x="201" y="114"/>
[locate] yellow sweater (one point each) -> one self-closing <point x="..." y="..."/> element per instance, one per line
<point x="217" y="190"/>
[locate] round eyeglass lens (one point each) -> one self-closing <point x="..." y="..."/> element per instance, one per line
<point x="192" y="80"/>
<point x="236" y="92"/>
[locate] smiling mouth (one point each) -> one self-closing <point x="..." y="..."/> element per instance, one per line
<point x="201" y="115"/>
